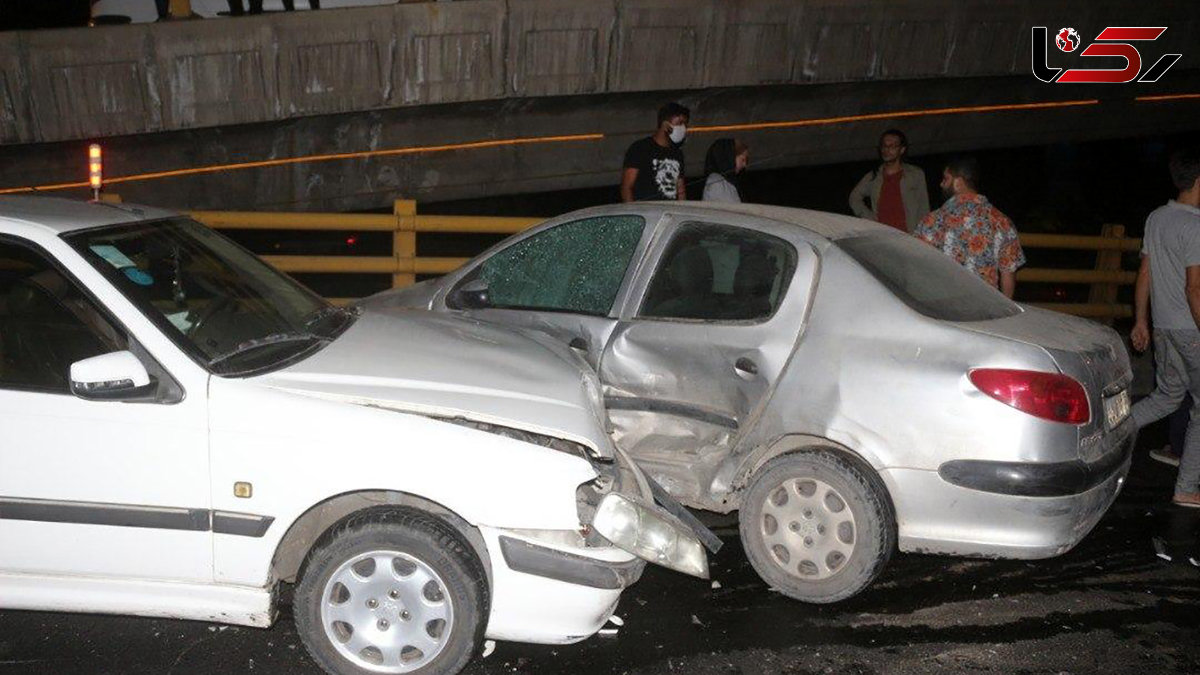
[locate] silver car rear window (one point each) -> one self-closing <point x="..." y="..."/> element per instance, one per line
<point x="927" y="280"/>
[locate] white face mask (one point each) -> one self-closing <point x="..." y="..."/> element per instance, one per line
<point x="678" y="132"/>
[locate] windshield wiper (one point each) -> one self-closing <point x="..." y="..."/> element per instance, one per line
<point x="272" y="339"/>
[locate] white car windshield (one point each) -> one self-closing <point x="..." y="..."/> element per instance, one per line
<point x="227" y="308"/>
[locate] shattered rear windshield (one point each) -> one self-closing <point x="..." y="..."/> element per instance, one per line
<point x="927" y="280"/>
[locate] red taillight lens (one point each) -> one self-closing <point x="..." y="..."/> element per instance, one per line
<point x="1047" y="395"/>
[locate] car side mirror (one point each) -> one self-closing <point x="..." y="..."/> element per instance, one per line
<point x="117" y="376"/>
<point x="473" y="295"/>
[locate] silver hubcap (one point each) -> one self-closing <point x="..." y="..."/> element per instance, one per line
<point x="807" y="528"/>
<point x="387" y="611"/>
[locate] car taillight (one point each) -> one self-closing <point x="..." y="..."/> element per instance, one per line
<point x="1047" y="395"/>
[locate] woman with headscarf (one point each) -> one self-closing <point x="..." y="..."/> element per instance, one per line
<point x="725" y="160"/>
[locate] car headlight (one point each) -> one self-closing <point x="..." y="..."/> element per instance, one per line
<point x="650" y="535"/>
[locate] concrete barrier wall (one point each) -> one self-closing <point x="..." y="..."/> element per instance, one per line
<point x="120" y="80"/>
<point x="556" y="53"/>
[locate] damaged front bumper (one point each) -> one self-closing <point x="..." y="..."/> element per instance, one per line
<point x="560" y="586"/>
<point x="530" y="558"/>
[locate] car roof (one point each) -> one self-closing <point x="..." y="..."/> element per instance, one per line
<point x="58" y="215"/>
<point x="828" y="225"/>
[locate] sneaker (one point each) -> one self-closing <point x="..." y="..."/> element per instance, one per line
<point x="1188" y="499"/>
<point x="1166" y="454"/>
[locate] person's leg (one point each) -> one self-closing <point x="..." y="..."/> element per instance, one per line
<point x="289" y="5"/>
<point x="236" y="8"/>
<point x="314" y="4"/>
<point x="1188" y="482"/>
<point x="256" y="6"/>
<point x="163" y="7"/>
<point x="1178" y="422"/>
<point x="1170" y="382"/>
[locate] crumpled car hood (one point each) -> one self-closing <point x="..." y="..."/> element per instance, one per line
<point x="450" y="367"/>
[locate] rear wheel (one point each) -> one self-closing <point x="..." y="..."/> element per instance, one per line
<point x="815" y="527"/>
<point x="395" y="591"/>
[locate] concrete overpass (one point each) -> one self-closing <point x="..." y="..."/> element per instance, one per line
<point x="348" y="109"/>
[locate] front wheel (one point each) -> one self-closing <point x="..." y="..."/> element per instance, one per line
<point x="815" y="527"/>
<point x="394" y="591"/>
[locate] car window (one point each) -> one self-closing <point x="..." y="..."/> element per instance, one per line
<point x="46" y="323"/>
<point x="720" y="273"/>
<point x="574" y="267"/>
<point x="927" y="280"/>
<point x="227" y="308"/>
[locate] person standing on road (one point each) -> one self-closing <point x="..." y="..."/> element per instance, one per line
<point x="894" y="193"/>
<point x="653" y="167"/>
<point x="972" y="231"/>
<point x="725" y="161"/>
<point x="1168" y="284"/>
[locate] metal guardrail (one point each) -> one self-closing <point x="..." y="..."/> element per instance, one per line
<point x="1105" y="278"/>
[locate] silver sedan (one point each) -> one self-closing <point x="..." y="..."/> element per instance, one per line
<point x="846" y="387"/>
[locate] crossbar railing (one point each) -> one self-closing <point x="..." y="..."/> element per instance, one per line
<point x="1104" y="279"/>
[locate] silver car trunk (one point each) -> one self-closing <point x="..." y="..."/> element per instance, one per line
<point x="1091" y="353"/>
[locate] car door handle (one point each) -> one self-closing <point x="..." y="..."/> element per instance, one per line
<point x="745" y="365"/>
<point x="578" y="344"/>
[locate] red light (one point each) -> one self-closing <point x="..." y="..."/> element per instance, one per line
<point x="350" y="241"/>
<point x="1050" y="396"/>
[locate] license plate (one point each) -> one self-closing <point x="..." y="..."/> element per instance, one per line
<point x="1116" y="409"/>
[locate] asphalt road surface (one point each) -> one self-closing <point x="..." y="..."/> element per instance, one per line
<point x="1110" y="606"/>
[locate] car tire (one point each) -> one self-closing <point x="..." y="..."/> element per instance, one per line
<point x="425" y="613"/>
<point x="816" y="527"/>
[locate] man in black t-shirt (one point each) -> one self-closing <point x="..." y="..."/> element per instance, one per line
<point x="653" y="167"/>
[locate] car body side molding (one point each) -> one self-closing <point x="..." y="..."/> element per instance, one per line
<point x="131" y="515"/>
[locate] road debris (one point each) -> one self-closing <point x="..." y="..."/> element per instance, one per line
<point x="489" y="646"/>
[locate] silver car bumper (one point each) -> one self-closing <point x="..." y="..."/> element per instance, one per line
<point x="937" y="516"/>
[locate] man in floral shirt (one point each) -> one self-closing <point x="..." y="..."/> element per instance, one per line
<point x="972" y="231"/>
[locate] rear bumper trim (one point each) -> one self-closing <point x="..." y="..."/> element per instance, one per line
<point x="1034" y="479"/>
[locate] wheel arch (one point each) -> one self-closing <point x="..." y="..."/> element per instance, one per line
<point x="313" y="524"/>
<point x="797" y="443"/>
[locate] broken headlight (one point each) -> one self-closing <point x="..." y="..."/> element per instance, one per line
<point x="651" y="534"/>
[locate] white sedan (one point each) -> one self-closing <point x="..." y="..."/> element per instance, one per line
<point x="185" y="428"/>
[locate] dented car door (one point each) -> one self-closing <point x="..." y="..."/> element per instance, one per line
<point x="713" y="322"/>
